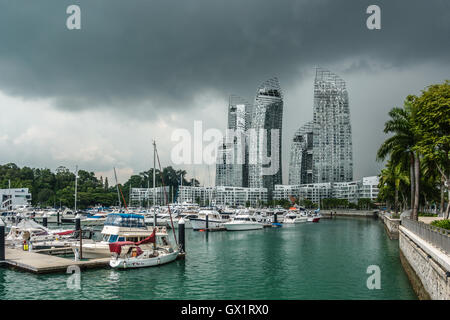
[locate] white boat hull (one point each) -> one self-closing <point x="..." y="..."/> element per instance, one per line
<point x="198" y="224"/>
<point x="128" y="263"/>
<point x="187" y="224"/>
<point x="93" y="250"/>
<point x="93" y="222"/>
<point x="159" y="222"/>
<point x="243" y="226"/>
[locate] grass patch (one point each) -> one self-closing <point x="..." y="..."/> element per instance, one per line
<point x="423" y="214"/>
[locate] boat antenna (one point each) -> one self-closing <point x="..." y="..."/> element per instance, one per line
<point x="165" y="193"/>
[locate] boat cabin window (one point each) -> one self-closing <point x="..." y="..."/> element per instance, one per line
<point x="125" y="220"/>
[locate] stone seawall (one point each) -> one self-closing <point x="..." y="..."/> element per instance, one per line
<point x="391" y="226"/>
<point x="427" y="267"/>
<point x="348" y="213"/>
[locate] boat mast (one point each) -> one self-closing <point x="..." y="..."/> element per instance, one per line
<point x="154" y="172"/>
<point x="165" y="193"/>
<point x="76" y="186"/>
<point x="148" y="190"/>
<point x="129" y="196"/>
<point x="117" y="187"/>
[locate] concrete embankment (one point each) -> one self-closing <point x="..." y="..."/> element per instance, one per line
<point x="427" y="266"/>
<point x="348" y="213"/>
<point x="391" y="226"/>
<point x="424" y="254"/>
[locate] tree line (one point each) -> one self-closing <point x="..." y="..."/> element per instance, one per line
<point x="417" y="171"/>
<point x="57" y="189"/>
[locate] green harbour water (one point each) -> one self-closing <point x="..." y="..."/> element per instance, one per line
<point x="325" y="260"/>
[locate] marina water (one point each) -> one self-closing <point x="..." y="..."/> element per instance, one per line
<point x="326" y="260"/>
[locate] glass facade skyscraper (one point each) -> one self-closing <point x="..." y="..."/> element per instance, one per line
<point x="264" y="138"/>
<point x="332" y="133"/>
<point x="300" y="160"/>
<point x="231" y="167"/>
<point x="321" y="150"/>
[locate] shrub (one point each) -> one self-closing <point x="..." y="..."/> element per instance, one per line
<point x="444" y="224"/>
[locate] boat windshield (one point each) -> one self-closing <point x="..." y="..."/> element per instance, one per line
<point x="125" y="220"/>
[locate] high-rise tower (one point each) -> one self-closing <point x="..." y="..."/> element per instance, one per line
<point x="300" y="161"/>
<point x="264" y="137"/>
<point x="332" y="133"/>
<point x="231" y="168"/>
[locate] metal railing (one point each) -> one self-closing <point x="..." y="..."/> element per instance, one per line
<point x="437" y="236"/>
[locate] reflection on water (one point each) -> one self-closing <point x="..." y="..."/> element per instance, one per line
<point x="327" y="260"/>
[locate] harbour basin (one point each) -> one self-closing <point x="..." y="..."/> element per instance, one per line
<point x="325" y="260"/>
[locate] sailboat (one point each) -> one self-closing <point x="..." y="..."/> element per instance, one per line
<point x="141" y="253"/>
<point x="127" y="254"/>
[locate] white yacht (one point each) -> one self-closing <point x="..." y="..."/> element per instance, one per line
<point x="215" y="220"/>
<point x="52" y="216"/>
<point x="38" y="235"/>
<point x="243" y="222"/>
<point x="294" y="217"/>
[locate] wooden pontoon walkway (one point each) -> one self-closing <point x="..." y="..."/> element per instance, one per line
<point x="44" y="263"/>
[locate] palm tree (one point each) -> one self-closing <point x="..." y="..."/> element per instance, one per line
<point x="394" y="175"/>
<point x="400" y="147"/>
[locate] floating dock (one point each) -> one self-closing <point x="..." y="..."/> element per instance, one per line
<point x="43" y="263"/>
<point x="39" y="263"/>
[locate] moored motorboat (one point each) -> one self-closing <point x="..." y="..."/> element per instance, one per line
<point x="243" y="222"/>
<point x="117" y="227"/>
<point x="215" y="220"/>
<point x="293" y="217"/>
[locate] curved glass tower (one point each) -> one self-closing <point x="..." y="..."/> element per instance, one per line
<point x="332" y="133"/>
<point x="300" y="161"/>
<point x="231" y="168"/>
<point x="265" y="137"/>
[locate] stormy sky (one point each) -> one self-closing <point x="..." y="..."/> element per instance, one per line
<point x="140" y="69"/>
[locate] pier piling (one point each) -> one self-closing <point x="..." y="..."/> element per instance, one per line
<point x="275" y="217"/>
<point x="77" y="222"/>
<point x="45" y="220"/>
<point x="207" y="222"/>
<point x="155" y="220"/>
<point x="58" y="221"/>
<point x="181" y="235"/>
<point x="2" y="240"/>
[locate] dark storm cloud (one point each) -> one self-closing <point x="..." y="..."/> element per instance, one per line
<point x="160" y="54"/>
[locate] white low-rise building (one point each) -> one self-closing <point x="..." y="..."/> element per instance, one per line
<point x="13" y="198"/>
<point x="141" y="196"/>
<point x="367" y="188"/>
<point x="222" y="195"/>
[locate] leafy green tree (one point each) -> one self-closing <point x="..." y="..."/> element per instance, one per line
<point x="432" y="125"/>
<point x="400" y="146"/>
